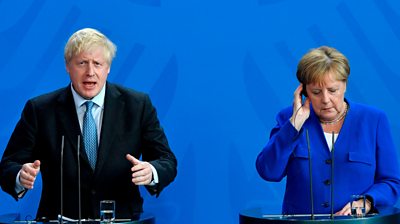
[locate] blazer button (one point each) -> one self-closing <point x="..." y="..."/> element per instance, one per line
<point x="325" y="204"/>
<point x="327" y="182"/>
<point x="328" y="161"/>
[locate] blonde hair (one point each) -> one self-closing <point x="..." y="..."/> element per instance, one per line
<point x="86" y="39"/>
<point x="321" y="61"/>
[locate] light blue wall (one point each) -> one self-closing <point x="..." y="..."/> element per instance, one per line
<point x="218" y="72"/>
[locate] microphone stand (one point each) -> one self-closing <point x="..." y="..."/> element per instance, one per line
<point x="310" y="173"/>
<point x="61" y="181"/>
<point x="79" y="181"/>
<point x="61" y="216"/>
<point x="332" y="168"/>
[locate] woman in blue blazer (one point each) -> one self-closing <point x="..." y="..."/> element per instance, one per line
<point x="352" y="139"/>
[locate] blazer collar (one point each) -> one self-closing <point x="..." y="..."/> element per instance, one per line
<point x="68" y="118"/>
<point x="113" y="108"/>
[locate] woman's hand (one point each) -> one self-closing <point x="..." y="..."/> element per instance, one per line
<point x="301" y="111"/>
<point x="346" y="210"/>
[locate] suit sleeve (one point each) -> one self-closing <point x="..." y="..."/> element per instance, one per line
<point x="386" y="188"/>
<point x="156" y="149"/>
<point x="271" y="163"/>
<point x="19" y="149"/>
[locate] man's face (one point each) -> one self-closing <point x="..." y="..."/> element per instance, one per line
<point x="88" y="72"/>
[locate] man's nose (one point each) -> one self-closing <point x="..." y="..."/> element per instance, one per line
<point x="90" y="69"/>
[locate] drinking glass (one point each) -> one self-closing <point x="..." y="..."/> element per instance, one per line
<point x="107" y="211"/>
<point x="357" y="204"/>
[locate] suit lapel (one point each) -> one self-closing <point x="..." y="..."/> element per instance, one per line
<point x="112" y="109"/>
<point x="68" y="118"/>
<point x="66" y="113"/>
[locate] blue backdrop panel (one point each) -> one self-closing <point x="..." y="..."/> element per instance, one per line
<point x="218" y="71"/>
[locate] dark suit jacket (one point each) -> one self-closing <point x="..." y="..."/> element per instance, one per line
<point x="130" y="125"/>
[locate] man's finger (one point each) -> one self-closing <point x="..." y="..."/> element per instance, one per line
<point x="138" y="167"/>
<point x="142" y="180"/>
<point x="28" y="171"/>
<point x="140" y="172"/>
<point x="28" y="177"/>
<point x="132" y="159"/>
<point x="36" y="164"/>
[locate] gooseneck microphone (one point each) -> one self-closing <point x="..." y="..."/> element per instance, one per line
<point x="61" y="181"/>
<point x="310" y="173"/>
<point x="332" y="168"/>
<point x="79" y="181"/>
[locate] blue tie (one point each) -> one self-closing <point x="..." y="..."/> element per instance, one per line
<point x="90" y="134"/>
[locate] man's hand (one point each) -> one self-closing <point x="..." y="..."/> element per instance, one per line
<point x="28" y="174"/>
<point x="142" y="173"/>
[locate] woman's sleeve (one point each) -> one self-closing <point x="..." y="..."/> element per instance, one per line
<point x="271" y="163"/>
<point x="386" y="188"/>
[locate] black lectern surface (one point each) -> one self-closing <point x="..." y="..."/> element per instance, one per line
<point x="259" y="216"/>
<point x="142" y="218"/>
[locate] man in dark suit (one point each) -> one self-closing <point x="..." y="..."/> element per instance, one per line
<point x="119" y="125"/>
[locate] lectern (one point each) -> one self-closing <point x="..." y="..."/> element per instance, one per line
<point x="387" y="215"/>
<point x="142" y="218"/>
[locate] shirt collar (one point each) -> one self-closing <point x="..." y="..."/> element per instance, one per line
<point x="98" y="99"/>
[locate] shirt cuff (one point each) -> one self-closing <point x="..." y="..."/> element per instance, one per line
<point x="155" y="176"/>
<point x="19" y="189"/>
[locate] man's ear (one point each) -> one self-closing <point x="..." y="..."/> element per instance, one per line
<point x="67" y="67"/>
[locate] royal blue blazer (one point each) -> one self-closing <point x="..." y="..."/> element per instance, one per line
<point x="364" y="161"/>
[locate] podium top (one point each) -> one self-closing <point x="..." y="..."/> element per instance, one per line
<point x="386" y="215"/>
<point x="142" y="218"/>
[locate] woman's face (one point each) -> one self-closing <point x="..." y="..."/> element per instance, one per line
<point x="327" y="97"/>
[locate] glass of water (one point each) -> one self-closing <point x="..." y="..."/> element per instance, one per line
<point x="107" y="211"/>
<point x="357" y="204"/>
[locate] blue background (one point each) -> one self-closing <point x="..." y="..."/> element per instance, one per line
<point x="218" y="71"/>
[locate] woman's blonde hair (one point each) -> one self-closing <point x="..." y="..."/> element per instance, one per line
<point x="321" y="61"/>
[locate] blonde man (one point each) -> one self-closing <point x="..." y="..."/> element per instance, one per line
<point x="115" y="127"/>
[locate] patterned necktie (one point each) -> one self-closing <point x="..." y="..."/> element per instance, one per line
<point x="90" y="134"/>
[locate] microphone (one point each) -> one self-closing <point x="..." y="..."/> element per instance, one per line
<point x="61" y="217"/>
<point x="332" y="168"/>
<point x="79" y="181"/>
<point x="61" y="180"/>
<point x="310" y="173"/>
